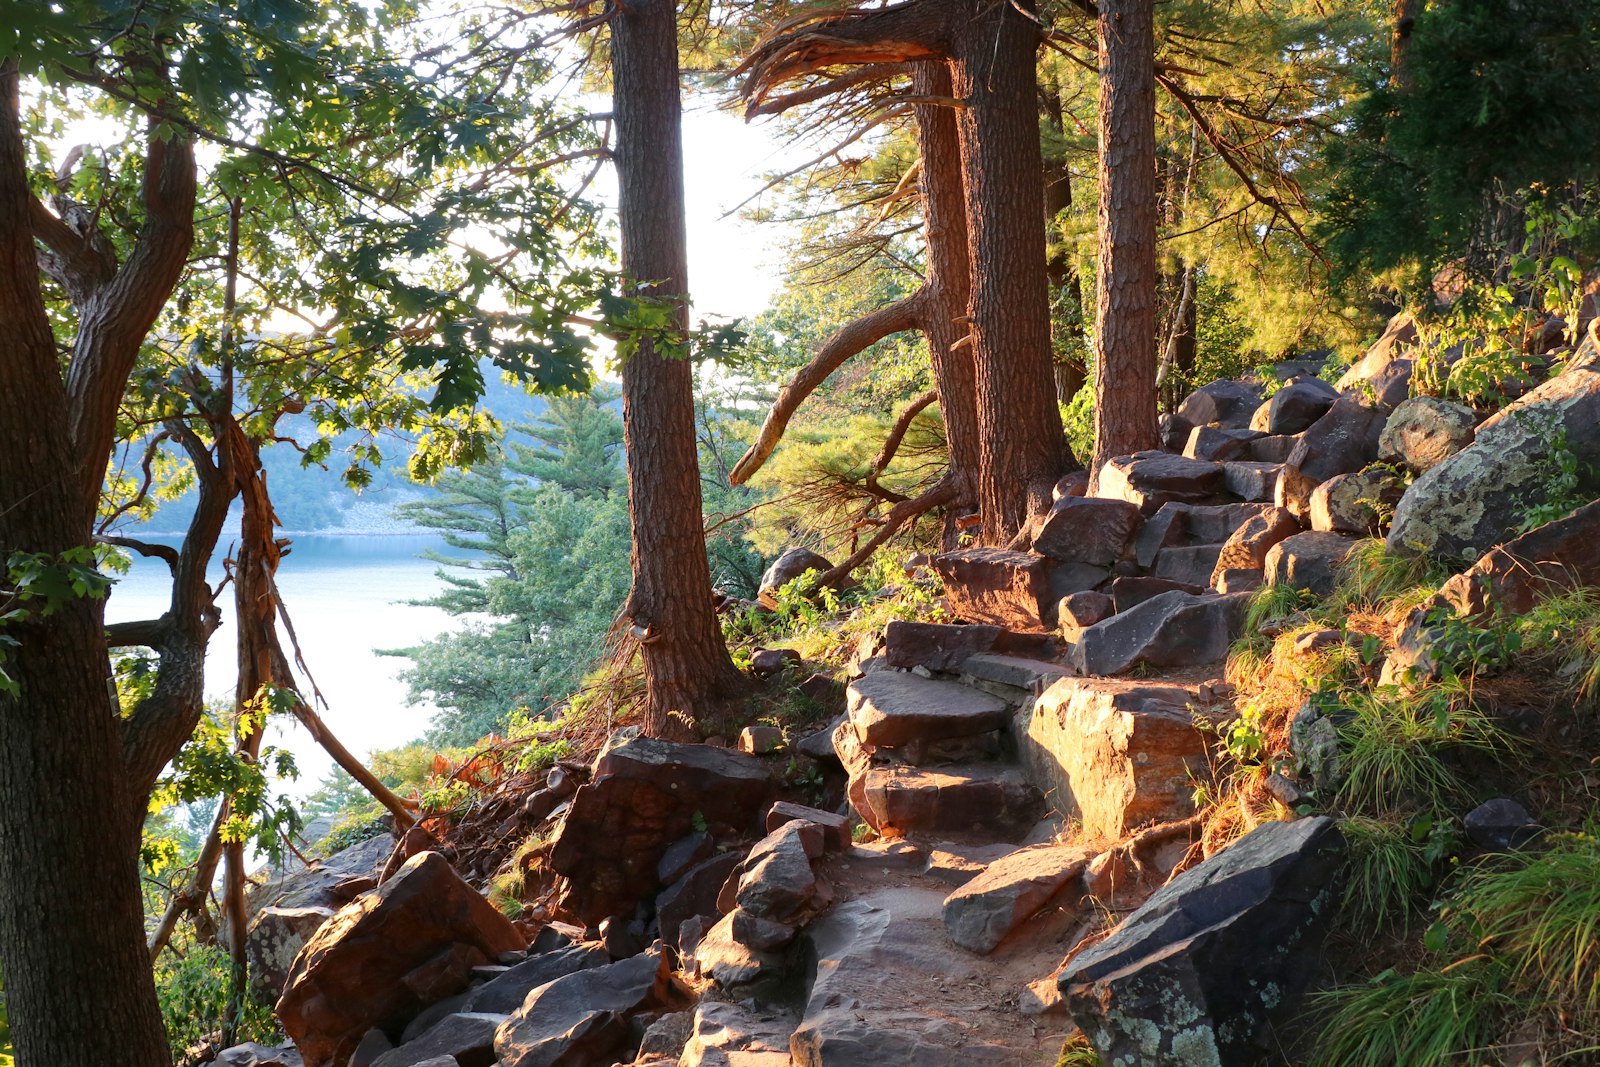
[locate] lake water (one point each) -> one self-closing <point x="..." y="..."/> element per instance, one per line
<point x="346" y="597"/>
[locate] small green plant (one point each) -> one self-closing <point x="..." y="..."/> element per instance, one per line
<point x="1395" y="864"/>
<point x="1565" y="630"/>
<point x="1432" y="1018"/>
<point x="1371" y="575"/>
<point x="1560" y="476"/>
<point x="192" y="989"/>
<point x="1078" y="1051"/>
<point x="1461" y="648"/>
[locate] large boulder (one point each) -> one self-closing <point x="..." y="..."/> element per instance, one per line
<point x="1151" y="479"/>
<point x="387" y="955"/>
<point x="1223" y="404"/>
<point x="722" y="1034"/>
<point x="1010" y="589"/>
<point x="645" y="794"/>
<point x="792" y="563"/>
<point x="506" y="992"/>
<point x="1247" y="548"/>
<point x="1175" y="629"/>
<point x="1088" y="529"/>
<point x="325" y="883"/>
<point x="1113" y="754"/>
<point x="1308" y="561"/>
<point x="944" y="647"/>
<point x="1479" y="497"/>
<point x="1294" y="407"/>
<point x="949" y="799"/>
<point x="857" y="1015"/>
<point x="1203" y="970"/>
<point x="462" y="1038"/>
<point x="1544" y="562"/>
<point x="1383" y="375"/>
<point x="583" y="1019"/>
<point x="275" y="938"/>
<point x="1343" y="440"/>
<point x="1358" y="503"/>
<point x="1425" y="431"/>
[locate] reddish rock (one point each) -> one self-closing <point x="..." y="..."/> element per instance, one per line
<point x="1190" y="565"/>
<point x="1085" y="609"/>
<point x="695" y="894"/>
<point x="759" y="740"/>
<point x="893" y="708"/>
<point x="1383" y="374"/>
<point x="1253" y="481"/>
<point x="1009" y="892"/>
<point x="1151" y="479"/>
<point x="992" y="585"/>
<point x="1113" y="753"/>
<point x="1357" y="504"/>
<point x="1174" y="629"/>
<point x="1222" y="403"/>
<point x="1091" y="530"/>
<point x="936" y="646"/>
<point x="950" y="800"/>
<point x="837" y="827"/>
<point x="1343" y="440"/>
<point x="1545" y="562"/>
<point x="769" y="661"/>
<point x="387" y="955"/>
<point x="1208" y="442"/>
<point x="1248" y="547"/>
<point x="583" y="1019"/>
<point x="1294" y="407"/>
<point x="645" y="794"/>
<point x="1128" y="593"/>
<point x="1073" y="484"/>
<point x="1237" y="580"/>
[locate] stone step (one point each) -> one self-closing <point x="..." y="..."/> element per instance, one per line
<point x="989" y="798"/>
<point x="1014" y="679"/>
<point x="1174" y="629"/>
<point x="892" y="708"/>
<point x="1189" y="564"/>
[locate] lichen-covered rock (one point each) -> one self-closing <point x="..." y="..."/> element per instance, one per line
<point x="275" y="938"/>
<point x="1113" y="754"/>
<point x="1343" y="440"/>
<point x="1357" y="503"/>
<point x="1425" y="431"/>
<point x="1200" y="973"/>
<point x="1480" y="496"/>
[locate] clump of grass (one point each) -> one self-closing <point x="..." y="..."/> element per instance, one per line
<point x="1397" y="748"/>
<point x="1394" y="866"/>
<point x="1078" y="1051"/>
<point x="1431" y="1018"/>
<point x="1566" y="631"/>
<point x="1371" y="575"/>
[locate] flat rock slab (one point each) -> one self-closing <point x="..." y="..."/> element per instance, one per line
<point x="1151" y="479"/>
<point x="1171" y="630"/>
<point x="506" y="993"/>
<point x="950" y="799"/>
<point x="1199" y="974"/>
<point x="1189" y="564"/>
<point x="466" y="1038"/>
<point x="1010" y="891"/>
<point x="890" y="708"/>
<point x="1114" y="754"/>
<point x="1086" y="529"/>
<point x="1011" y="677"/>
<point x="856" y="1014"/>
<point x="736" y="1035"/>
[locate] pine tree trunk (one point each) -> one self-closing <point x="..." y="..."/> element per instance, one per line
<point x="1020" y="438"/>
<point x="78" y="983"/>
<point x="948" y="284"/>
<point x="689" y="676"/>
<point x="1125" y="298"/>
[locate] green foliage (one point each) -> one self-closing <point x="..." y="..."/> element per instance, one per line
<point x="1395" y="863"/>
<point x="37" y="585"/>
<point x="1399" y="749"/>
<point x="1078" y="1051"/>
<point x="1372" y="577"/>
<point x="1518" y="943"/>
<point x="1564" y="632"/>
<point x="1422" y="173"/>
<point x="192" y="988"/>
<point x="1461" y="648"/>
<point x="5" y="1028"/>
<point x="1077" y="419"/>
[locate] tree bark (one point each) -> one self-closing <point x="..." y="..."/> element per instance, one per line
<point x="1125" y="290"/>
<point x="1405" y="17"/>
<point x="690" y="679"/>
<point x="942" y="314"/>
<point x="78" y="981"/>
<point x="1020" y="442"/>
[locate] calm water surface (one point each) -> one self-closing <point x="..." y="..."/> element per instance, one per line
<point x="345" y="596"/>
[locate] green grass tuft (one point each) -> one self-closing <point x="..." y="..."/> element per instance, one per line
<point x="1433" y="1018"/>
<point x="1395" y="865"/>
<point x="1373" y="577"/>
